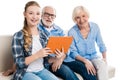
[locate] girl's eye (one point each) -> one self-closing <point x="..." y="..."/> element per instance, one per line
<point x="30" y="13"/>
<point x="38" y="13"/>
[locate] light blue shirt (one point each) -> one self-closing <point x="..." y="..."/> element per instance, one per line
<point x="86" y="47"/>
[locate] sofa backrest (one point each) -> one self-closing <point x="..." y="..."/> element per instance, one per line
<point x="5" y="52"/>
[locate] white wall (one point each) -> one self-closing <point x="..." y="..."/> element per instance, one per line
<point x="104" y="12"/>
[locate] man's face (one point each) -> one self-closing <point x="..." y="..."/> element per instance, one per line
<point x="48" y="16"/>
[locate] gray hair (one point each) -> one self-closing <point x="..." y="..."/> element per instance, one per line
<point x="43" y="10"/>
<point x="79" y="9"/>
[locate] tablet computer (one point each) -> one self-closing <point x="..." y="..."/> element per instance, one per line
<point x="58" y="42"/>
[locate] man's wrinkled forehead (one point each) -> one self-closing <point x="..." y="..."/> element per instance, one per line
<point x="49" y="10"/>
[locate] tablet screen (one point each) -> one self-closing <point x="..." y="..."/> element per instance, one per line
<point x="58" y="42"/>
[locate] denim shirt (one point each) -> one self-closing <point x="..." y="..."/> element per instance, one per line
<point x="56" y="31"/>
<point x="19" y="53"/>
<point x="86" y="47"/>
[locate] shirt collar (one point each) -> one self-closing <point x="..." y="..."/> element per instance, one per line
<point x="54" y="26"/>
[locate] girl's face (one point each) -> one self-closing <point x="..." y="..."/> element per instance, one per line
<point x="32" y="15"/>
<point x="81" y="19"/>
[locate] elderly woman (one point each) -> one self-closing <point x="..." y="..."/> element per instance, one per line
<point x="83" y="49"/>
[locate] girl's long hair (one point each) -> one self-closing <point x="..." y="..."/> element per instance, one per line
<point x="26" y="29"/>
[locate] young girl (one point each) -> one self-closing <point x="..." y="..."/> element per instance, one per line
<point x="28" y="47"/>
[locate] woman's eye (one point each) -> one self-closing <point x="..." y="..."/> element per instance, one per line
<point x="83" y="16"/>
<point x="77" y="17"/>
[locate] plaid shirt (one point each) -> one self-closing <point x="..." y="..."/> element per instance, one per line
<point x="19" y="52"/>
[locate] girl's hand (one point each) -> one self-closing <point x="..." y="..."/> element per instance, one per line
<point x="8" y="72"/>
<point x="44" y="52"/>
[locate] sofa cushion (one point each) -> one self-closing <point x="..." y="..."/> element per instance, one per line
<point x="111" y="73"/>
<point x="5" y="77"/>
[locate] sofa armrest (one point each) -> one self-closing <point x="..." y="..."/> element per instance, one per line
<point x="5" y="52"/>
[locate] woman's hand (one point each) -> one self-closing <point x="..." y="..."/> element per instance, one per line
<point x="90" y="67"/>
<point x="104" y="59"/>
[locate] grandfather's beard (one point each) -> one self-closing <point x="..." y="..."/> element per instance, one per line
<point x="47" y="24"/>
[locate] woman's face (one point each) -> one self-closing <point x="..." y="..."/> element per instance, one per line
<point x="81" y="19"/>
<point x="32" y="15"/>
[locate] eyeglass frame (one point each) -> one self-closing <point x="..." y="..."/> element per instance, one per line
<point x="46" y="14"/>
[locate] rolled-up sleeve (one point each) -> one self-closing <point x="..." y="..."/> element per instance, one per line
<point x="99" y="41"/>
<point x="73" y="49"/>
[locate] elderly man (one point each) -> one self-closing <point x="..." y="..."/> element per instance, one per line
<point x="54" y="63"/>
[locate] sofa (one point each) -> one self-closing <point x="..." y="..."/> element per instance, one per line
<point x="6" y="58"/>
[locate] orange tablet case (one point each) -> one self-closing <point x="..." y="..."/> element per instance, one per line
<point x="59" y="42"/>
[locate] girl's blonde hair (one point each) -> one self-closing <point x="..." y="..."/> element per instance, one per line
<point x="26" y="30"/>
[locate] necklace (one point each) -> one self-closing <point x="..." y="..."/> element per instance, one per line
<point x="84" y="32"/>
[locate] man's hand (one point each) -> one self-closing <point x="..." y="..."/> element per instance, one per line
<point x="56" y="64"/>
<point x="59" y="54"/>
<point x="57" y="61"/>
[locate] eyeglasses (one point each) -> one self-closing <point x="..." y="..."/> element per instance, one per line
<point x="48" y="14"/>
